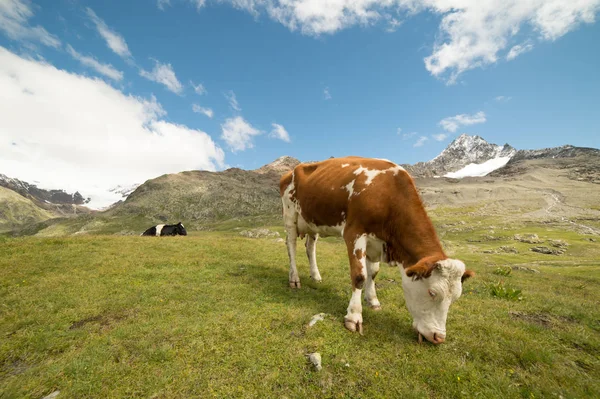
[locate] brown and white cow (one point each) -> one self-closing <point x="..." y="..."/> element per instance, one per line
<point x="374" y="205"/>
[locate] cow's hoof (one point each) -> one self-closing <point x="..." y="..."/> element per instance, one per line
<point x="376" y="307"/>
<point x="295" y="284"/>
<point x="316" y="280"/>
<point x="354" y="326"/>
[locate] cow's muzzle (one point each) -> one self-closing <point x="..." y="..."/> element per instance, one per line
<point x="435" y="338"/>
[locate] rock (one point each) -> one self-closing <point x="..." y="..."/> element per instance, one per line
<point x="548" y="251"/>
<point x="315" y="359"/>
<point x="558" y="243"/>
<point x="505" y="249"/>
<point x="316" y="318"/>
<point x="52" y="395"/>
<point x="279" y="240"/>
<point x="259" y="233"/>
<point x="528" y="238"/>
<point x="590" y="239"/>
<point x="508" y="249"/>
<point x="484" y="238"/>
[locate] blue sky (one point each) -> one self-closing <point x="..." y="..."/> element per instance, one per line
<point x="336" y="77"/>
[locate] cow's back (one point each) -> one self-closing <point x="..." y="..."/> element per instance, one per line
<point x="327" y="191"/>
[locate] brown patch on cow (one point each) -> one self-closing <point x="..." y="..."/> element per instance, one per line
<point x="285" y="181"/>
<point x="423" y="268"/>
<point x="359" y="253"/>
<point x="359" y="281"/>
<point x="467" y="274"/>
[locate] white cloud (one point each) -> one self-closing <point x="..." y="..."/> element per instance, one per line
<point x="399" y="131"/>
<point x="439" y="137"/>
<point x="503" y="99"/>
<point x="326" y="94"/>
<point x="201" y="3"/>
<point x="452" y="123"/>
<point x="115" y="41"/>
<point x="201" y="110"/>
<point x="199" y="88"/>
<point x="238" y="133"/>
<point x="14" y="15"/>
<point x="472" y="33"/>
<point x="162" y="4"/>
<point x="163" y="74"/>
<point x="393" y="25"/>
<point x="420" y="141"/>
<point x="78" y="133"/>
<point x="279" y="132"/>
<point x="233" y="103"/>
<point x="519" y="49"/>
<point x="406" y="136"/>
<point x="105" y="69"/>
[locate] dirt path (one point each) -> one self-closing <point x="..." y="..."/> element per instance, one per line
<point x="556" y="200"/>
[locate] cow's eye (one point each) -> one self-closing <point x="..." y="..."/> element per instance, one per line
<point x="431" y="293"/>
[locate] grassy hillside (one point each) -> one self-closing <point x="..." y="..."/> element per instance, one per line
<point x="199" y="197"/>
<point x="211" y="315"/>
<point x="16" y="210"/>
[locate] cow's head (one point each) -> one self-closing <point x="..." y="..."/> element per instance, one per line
<point x="180" y="229"/>
<point x="429" y="290"/>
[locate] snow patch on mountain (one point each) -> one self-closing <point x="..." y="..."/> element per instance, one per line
<point x="481" y="169"/>
<point x="124" y="190"/>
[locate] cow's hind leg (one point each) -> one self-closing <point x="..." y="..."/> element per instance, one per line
<point x="291" y="228"/>
<point x="311" y="252"/>
<point x="370" y="293"/>
<point x="357" y="247"/>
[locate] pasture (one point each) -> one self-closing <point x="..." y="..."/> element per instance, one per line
<point x="211" y="315"/>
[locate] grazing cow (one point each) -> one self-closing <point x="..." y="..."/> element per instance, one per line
<point x="166" y="230"/>
<point x="374" y="205"/>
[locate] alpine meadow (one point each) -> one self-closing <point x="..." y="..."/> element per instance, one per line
<point x="172" y="172"/>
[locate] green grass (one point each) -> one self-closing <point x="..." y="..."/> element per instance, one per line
<point x="211" y="315"/>
<point x="503" y="271"/>
<point x="501" y="290"/>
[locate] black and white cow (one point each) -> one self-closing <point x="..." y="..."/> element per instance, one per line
<point x="166" y="230"/>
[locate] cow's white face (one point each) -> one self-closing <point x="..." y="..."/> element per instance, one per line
<point x="428" y="299"/>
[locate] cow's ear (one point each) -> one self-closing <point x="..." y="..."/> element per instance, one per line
<point x="466" y="275"/>
<point x="422" y="269"/>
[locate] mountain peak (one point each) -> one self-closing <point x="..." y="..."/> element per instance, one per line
<point x="462" y="151"/>
<point x="279" y="166"/>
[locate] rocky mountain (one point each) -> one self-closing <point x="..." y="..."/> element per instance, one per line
<point x="464" y="150"/>
<point x="565" y="151"/>
<point x="279" y="166"/>
<point x="31" y="191"/>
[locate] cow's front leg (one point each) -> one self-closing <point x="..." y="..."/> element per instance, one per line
<point x="311" y="252"/>
<point x="357" y="247"/>
<point x="370" y="293"/>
